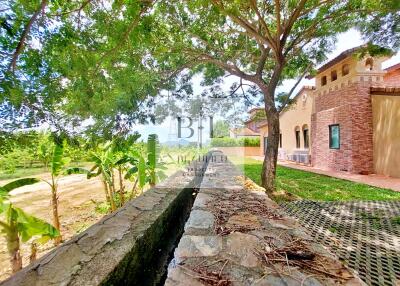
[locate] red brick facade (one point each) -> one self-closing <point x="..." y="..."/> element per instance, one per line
<point x="392" y="78"/>
<point x="350" y="107"/>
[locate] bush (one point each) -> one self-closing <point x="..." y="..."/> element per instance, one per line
<point x="232" y="142"/>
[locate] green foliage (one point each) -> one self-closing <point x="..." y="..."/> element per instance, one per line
<point x="221" y="129"/>
<point x="102" y="208"/>
<point x="232" y="142"/>
<point x="4" y="190"/>
<point x="58" y="161"/>
<point x="35" y="149"/>
<point x="153" y="152"/>
<point x="18" y="225"/>
<point x="29" y="226"/>
<point x="100" y="67"/>
<point x="380" y="24"/>
<point x="77" y="170"/>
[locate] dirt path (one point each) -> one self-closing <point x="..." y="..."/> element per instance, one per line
<point x="77" y="197"/>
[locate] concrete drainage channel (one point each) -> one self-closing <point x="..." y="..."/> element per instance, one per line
<point x="131" y="246"/>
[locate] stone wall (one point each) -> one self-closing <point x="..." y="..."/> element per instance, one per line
<point x="232" y="230"/>
<point x="128" y="247"/>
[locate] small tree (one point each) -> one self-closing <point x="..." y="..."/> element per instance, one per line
<point x="58" y="164"/>
<point x="221" y="129"/>
<point x="19" y="226"/>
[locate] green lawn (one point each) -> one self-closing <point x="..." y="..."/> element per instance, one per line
<point x="313" y="186"/>
<point x="34" y="171"/>
<point x="22" y="172"/>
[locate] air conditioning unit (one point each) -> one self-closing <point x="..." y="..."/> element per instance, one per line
<point x="303" y="158"/>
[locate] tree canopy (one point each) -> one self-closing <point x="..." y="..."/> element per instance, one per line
<point x="106" y="61"/>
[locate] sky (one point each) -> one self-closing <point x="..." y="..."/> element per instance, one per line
<point x="345" y="41"/>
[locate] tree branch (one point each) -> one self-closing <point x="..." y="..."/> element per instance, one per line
<point x="24" y="35"/>
<point x="246" y="25"/>
<point x="80" y="8"/>
<point x="294" y="87"/>
<point x="253" y="4"/>
<point x="278" y="24"/>
<point x="125" y="36"/>
<point x="292" y="19"/>
<point x="263" y="59"/>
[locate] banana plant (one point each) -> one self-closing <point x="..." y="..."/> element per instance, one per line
<point x="155" y="166"/>
<point x="104" y="163"/>
<point x="146" y="170"/>
<point x="103" y="166"/>
<point x="58" y="168"/>
<point x="137" y="171"/>
<point x="19" y="226"/>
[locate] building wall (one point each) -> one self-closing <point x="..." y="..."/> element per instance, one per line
<point x="263" y="133"/>
<point x="297" y="115"/>
<point x="392" y="78"/>
<point x="386" y="126"/>
<point x="357" y="73"/>
<point x="348" y="105"/>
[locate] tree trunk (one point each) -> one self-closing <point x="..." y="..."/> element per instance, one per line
<point x="106" y="191"/>
<point x="56" y="218"/>
<point x="271" y="156"/>
<point x="112" y="191"/>
<point x="134" y="188"/>
<point x="33" y="255"/>
<point x="13" y="249"/>
<point x="121" y="186"/>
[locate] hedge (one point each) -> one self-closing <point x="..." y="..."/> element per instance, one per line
<point x="232" y="142"/>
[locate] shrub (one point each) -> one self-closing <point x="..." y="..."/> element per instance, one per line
<point x="232" y="142"/>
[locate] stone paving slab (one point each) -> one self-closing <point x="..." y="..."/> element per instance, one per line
<point x="366" y="235"/>
<point x="236" y="236"/>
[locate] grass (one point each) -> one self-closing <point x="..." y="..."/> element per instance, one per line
<point x="34" y="171"/>
<point x="22" y="172"/>
<point x="311" y="186"/>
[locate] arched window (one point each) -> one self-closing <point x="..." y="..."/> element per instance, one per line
<point x="345" y="69"/>
<point x="333" y="75"/>
<point x="323" y="80"/>
<point x="297" y="134"/>
<point x="369" y="64"/>
<point x="306" y="136"/>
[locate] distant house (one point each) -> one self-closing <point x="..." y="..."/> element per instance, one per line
<point x="255" y="127"/>
<point x="251" y="127"/>
<point x="350" y="120"/>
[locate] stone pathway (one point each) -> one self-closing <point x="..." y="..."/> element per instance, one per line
<point x="374" y="180"/>
<point x="366" y="235"/>
<point x="236" y="236"/>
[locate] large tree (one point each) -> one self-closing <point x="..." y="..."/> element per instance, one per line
<point x="260" y="42"/>
<point x="66" y="61"/>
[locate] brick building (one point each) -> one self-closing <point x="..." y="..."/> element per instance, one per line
<point x="352" y="115"/>
<point x="342" y="122"/>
